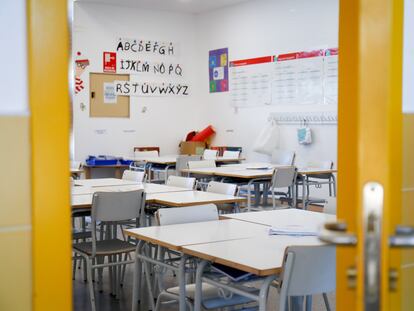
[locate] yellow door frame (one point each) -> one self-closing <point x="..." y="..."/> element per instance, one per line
<point x="369" y="132"/>
<point x="48" y="56"/>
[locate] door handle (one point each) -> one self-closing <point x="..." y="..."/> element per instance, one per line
<point x="92" y="94"/>
<point x="335" y="233"/>
<point x="403" y="237"/>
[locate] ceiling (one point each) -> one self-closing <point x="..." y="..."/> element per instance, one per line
<point x="186" y="6"/>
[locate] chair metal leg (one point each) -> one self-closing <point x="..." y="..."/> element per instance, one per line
<point x="90" y="283"/>
<point x="325" y="299"/>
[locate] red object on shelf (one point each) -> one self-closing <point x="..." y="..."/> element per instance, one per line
<point x="204" y="134"/>
<point x="190" y="136"/>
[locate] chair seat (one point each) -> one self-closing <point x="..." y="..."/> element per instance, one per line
<point x="211" y="296"/>
<point x="81" y="234"/>
<point x="105" y="247"/>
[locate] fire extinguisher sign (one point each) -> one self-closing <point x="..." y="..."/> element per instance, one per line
<point x="109" y="61"/>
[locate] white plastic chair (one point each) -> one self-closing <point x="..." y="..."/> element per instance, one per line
<point x="210" y="154"/>
<point x="283" y="157"/>
<point x="76" y="165"/>
<point x="146" y="154"/>
<point x="283" y="177"/>
<point x="307" y="270"/>
<point x="183" y="215"/>
<point x="318" y="179"/>
<point x="222" y="188"/>
<point x="201" y="164"/>
<point x="231" y="154"/>
<point x="137" y="176"/>
<point x="330" y="206"/>
<point x="182" y="182"/>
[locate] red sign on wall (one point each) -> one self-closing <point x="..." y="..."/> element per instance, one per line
<point x="109" y="61"/>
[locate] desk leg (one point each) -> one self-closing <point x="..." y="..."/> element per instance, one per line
<point x="88" y="172"/>
<point x="198" y="285"/>
<point x="181" y="282"/>
<point x="136" y="288"/>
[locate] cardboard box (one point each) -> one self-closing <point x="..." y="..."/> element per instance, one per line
<point x="192" y="147"/>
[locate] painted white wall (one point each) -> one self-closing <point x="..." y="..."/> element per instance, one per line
<point x="261" y="28"/>
<point x="166" y="120"/>
<point x="13" y="53"/>
<point x="408" y="67"/>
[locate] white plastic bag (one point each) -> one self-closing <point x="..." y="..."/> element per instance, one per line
<point x="268" y="139"/>
<point x="304" y="135"/>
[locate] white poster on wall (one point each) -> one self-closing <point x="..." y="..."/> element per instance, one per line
<point x="109" y="96"/>
<point x="408" y="60"/>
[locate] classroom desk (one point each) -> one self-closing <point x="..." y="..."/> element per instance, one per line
<point x="248" y="173"/>
<point x="277" y="218"/>
<point x="119" y="168"/>
<point x="175" y="237"/>
<point x="103" y="182"/>
<point x="170" y="198"/>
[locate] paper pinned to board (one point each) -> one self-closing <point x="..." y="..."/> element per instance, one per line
<point x="109" y="95"/>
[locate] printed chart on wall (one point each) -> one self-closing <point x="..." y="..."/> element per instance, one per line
<point x="299" y="78"/>
<point x="250" y="82"/>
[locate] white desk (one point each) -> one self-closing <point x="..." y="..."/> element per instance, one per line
<point x="148" y="187"/>
<point x="285" y="216"/>
<point x="188" y="198"/>
<point x="102" y="182"/>
<point x="175" y="237"/>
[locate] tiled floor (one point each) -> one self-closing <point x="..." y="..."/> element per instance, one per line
<point x="105" y="302"/>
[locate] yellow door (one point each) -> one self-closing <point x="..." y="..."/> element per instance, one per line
<point x="375" y="164"/>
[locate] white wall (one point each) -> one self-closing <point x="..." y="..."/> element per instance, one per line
<point x="261" y="28"/>
<point x="251" y="29"/>
<point x="166" y="120"/>
<point x="13" y="81"/>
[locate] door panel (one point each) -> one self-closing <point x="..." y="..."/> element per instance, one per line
<point x="98" y="105"/>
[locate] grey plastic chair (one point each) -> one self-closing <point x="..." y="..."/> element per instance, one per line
<point x="227" y="189"/>
<point x="131" y="175"/>
<point x="109" y="208"/>
<point x="182" y="182"/>
<point x="307" y="270"/>
<point x="182" y="162"/>
<point x="283" y="177"/>
<point x="283" y="157"/>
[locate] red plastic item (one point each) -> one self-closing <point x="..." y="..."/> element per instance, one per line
<point x="190" y="136"/>
<point x="204" y="134"/>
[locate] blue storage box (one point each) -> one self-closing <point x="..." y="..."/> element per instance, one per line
<point x="101" y="160"/>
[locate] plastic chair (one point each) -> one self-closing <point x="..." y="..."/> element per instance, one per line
<point x="330" y="206"/>
<point x="109" y="208"/>
<point x="307" y="270"/>
<point x="182" y="182"/>
<point x="231" y="154"/>
<point x="319" y="178"/>
<point x="137" y="176"/>
<point x="201" y="164"/>
<point x="183" y="215"/>
<point x="283" y="177"/>
<point x="224" y="188"/>
<point x="182" y="162"/>
<point x="210" y="154"/>
<point x="76" y="165"/>
<point x="283" y="157"/>
<point x="152" y="148"/>
<point x="146" y="154"/>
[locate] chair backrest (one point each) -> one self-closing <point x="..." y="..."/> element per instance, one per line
<point x="183" y="182"/>
<point x="307" y="270"/>
<point x="147" y="148"/>
<point x="283" y="157"/>
<point x="201" y="164"/>
<point x="330" y="206"/>
<point x="138" y="176"/>
<point x="182" y="162"/>
<point x="231" y="154"/>
<point x="210" y="154"/>
<point x="321" y="164"/>
<point x="76" y="165"/>
<point x="146" y="154"/>
<point x="283" y="177"/>
<point x="182" y="215"/>
<point x="221" y="187"/>
<point x="117" y="206"/>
